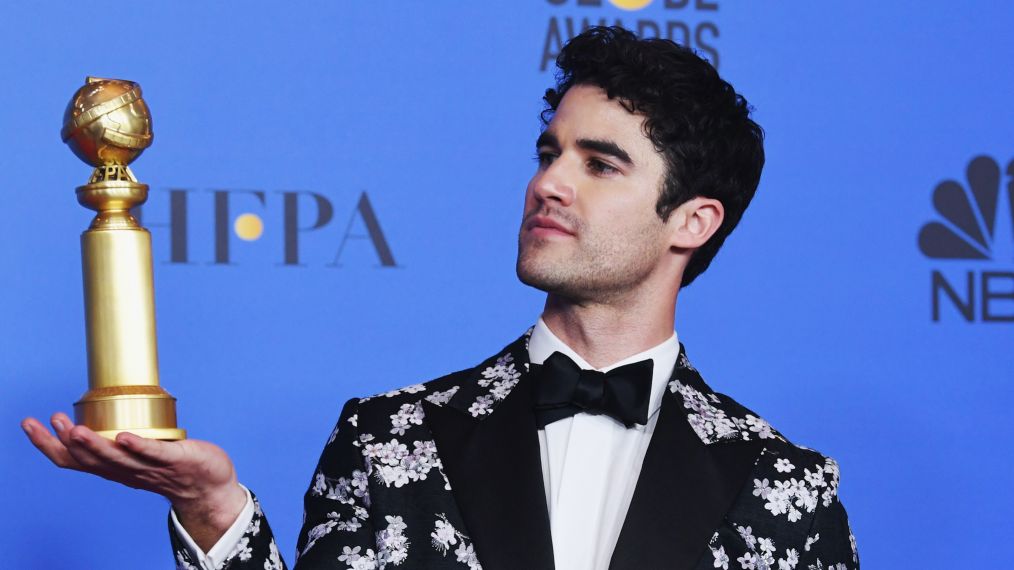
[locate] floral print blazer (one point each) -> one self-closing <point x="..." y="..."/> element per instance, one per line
<point x="447" y="475"/>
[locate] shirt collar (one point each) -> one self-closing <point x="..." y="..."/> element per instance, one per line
<point x="543" y="343"/>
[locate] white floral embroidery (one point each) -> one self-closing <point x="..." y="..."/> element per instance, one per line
<point x="334" y="434"/>
<point x="414" y="388"/>
<point x="352" y="491"/>
<point x="831" y="491"/>
<point x="318" y="532"/>
<point x="790" y="561"/>
<point x="394" y="464"/>
<point x="503" y="376"/>
<point x="406" y="416"/>
<point x="441" y="398"/>
<point x="712" y="423"/>
<point x="684" y="362"/>
<point x="820" y="566"/>
<point x="355" y="561"/>
<point x="762" y="552"/>
<point x="274" y="561"/>
<point x="466" y="555"/>
<point x="502" y="369"/>
<point x="392" y="543"/>
<point x="445" y="536"/>
<point x="748" y="561"/>
<point x="482" y="405"/>
<point x="242" y="549"/>
<point x="757" y="425"/>
<point x="353" y="419"/>
<point x="746" y="533"/>
<point x="345" y="490"/>
<point x="334" y="522"/>
<point x="183" y="562"/>
<point x="793" y="497"/>
<point x="767" y="547"/>
<point x="721" y="558"/>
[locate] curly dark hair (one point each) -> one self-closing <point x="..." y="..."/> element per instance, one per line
<point x="695" y="119"/>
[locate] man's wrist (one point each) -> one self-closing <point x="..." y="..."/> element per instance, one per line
<point x="209" y="516"/>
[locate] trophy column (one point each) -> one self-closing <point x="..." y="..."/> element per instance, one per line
<point x="108" y="125"/>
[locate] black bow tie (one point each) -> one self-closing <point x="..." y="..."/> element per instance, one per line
<point x="564" y="389"/>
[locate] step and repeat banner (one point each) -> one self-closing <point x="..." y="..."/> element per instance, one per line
<point x="336" y="189"/>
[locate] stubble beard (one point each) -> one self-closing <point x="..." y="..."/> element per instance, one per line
<point x="590" y="267"/>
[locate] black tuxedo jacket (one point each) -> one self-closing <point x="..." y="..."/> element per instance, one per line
<point x="447" y="474"/>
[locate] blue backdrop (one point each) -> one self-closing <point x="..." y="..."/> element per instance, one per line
<point x="822" y="312"/>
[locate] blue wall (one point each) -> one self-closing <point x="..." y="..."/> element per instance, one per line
<point x="818" y="313"/>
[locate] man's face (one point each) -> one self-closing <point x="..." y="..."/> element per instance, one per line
<point x="590" y="231"/>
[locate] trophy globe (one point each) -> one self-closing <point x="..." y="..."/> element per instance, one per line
<point x="107" y="124"/>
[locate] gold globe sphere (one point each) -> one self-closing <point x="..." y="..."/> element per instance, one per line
<point x="107" y="122"/>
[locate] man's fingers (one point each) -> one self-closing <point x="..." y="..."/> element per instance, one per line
<point x="62" y="424"/>
<point x="90" y="450"/>
<point x="103" y="456"/>
<point x="50" y="446"/>
<point x="80" y="451"/>
<point x="149" y="450"/>
<point x="131" y="460"/>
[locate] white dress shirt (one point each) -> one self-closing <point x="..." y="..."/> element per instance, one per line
<point x="590" y="463"/>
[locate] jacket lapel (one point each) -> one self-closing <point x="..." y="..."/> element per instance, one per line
<point x="493" y="463"/>
<point x="696" y="463"/>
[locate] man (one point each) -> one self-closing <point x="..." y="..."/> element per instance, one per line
<point x="590" y="442"/>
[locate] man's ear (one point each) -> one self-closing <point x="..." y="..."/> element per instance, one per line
<point x="693" y="222"/>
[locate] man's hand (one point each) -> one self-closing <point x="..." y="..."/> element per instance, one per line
<point x="196" y="476"/>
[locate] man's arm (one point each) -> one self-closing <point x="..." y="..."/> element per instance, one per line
<point x="196" y="476"/>
<point x="249" y="543"/>
<point x="337" y="532"/>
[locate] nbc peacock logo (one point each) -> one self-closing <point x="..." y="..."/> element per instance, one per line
<point x="975" y="238"/>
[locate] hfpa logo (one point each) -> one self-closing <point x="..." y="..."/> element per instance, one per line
<point x="977" y="226"/>
<point x="216" y="218"/>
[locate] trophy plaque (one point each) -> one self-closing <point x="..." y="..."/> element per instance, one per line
<point x="107" y="124"/>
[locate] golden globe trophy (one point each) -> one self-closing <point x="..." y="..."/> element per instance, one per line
<point x="107" y="124"/>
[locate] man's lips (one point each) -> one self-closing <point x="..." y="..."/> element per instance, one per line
<point x="544" y="225"/>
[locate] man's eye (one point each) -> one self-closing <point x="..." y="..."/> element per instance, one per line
<point x="599" y="167"/>
<point x="544" y="158"/>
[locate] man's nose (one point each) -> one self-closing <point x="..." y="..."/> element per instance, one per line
<point x="555" y="184"/>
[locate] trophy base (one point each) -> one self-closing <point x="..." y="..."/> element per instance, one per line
<point x="146" y="411"/>
<point x="173" y="434"/>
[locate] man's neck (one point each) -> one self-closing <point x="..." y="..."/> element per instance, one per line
<point x="603" y="334"/>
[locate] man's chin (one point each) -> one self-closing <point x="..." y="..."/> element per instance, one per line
<point x="531" y="276"/>
<point x="543" y="279"/>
